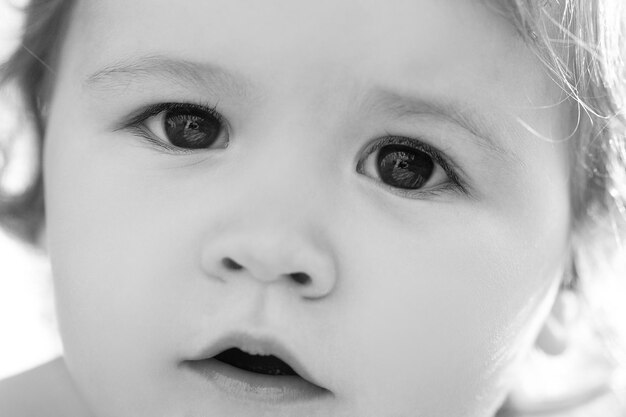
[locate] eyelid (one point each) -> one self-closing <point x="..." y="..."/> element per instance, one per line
<point x="455" y="183"/>
<point x="155" y="109"/>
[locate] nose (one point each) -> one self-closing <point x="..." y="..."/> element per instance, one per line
<point x="273" y="225"/>
<point x="272" y="257"/>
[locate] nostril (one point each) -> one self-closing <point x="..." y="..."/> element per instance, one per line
<point x="230" y="264"/>
<point x="300" y="277"/>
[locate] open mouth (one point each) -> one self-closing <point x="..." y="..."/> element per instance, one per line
<point x="266" y="375"/>
<point x="258" y="364"/>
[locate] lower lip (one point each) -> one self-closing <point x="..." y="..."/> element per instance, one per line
<point x="243" y="385"/>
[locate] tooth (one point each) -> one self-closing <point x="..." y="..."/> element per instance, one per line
<point x="254" y="350"/>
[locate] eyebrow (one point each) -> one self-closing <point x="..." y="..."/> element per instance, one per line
<point x="205" y="76"/>
<point x="483" y="130"/>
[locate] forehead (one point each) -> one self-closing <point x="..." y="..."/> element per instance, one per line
<point x="417" y="37"/>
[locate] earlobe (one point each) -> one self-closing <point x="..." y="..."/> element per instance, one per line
<point x="554" y="337"/>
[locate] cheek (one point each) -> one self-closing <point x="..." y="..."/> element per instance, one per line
<point x="122" y="254"/>
<point x="448" y="297"/>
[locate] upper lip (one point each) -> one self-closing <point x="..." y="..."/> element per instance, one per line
<point x="257" y="345"/>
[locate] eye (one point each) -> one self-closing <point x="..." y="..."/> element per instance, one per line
<point x="181" y="127"/>
<point x="408" y="166"/>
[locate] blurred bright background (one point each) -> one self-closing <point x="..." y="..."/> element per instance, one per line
<point x="27" y="325"/>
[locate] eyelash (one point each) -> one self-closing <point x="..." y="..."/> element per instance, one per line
<point x="454" y="184"/>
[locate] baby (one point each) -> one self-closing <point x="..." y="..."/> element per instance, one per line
<point x="329" y="208"/>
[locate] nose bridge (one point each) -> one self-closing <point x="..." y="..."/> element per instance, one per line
<point x="288" y="180"/>
<point x="290" y="171"/>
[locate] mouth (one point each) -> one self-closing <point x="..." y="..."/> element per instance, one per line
<point x="259" y="371"/>
<point x="258" y="364"/>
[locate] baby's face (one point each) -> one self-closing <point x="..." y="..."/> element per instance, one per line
<point x="357" y="188"/>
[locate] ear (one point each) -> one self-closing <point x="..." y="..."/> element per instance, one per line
<point x="554" y="337"/>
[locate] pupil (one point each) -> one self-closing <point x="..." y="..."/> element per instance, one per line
<point x="191" y="129"/>
<point x="404" y="167"/>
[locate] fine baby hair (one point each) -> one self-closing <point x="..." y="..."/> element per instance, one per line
<point x="360" y="209"/>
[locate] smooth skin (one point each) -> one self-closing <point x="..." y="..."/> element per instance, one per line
<point x="419" y="304"/>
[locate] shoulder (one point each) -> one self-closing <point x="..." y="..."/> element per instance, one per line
<point x="610" y="403"/>
<point x="46" y="390"/>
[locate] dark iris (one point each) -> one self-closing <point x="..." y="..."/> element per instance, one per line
<point x="404" y="167"/>
<point x="191" y="129"/>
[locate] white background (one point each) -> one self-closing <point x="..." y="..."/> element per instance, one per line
<point x="27" y="325"/>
